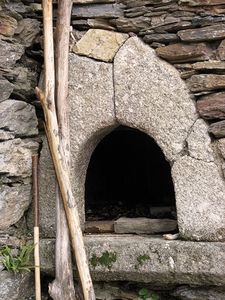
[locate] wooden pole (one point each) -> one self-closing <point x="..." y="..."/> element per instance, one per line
<point x="63" y="286"/>
<point x="46" y="98"/>
<point x="36" y="227"/>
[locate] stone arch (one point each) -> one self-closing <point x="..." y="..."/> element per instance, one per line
<point x="141" y="91"/>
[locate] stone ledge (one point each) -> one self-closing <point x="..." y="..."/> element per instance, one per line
<point x="165" y="262"/>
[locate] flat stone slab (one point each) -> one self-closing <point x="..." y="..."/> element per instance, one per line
<point x="148" y="259"/>
<point x="100" y="44"/>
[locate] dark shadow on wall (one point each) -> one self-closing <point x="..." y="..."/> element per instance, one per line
<point x="128" y="175"/>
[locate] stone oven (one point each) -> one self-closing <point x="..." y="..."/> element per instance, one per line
<point x="135" y="96"/>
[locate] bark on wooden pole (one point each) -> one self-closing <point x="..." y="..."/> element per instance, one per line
<point x="63" y="286"/>
<point x="47" y="100"/>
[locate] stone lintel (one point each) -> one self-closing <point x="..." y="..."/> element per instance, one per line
<point x="148" y="259"/>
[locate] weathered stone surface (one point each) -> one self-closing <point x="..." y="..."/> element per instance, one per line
<point x="184" y="52"/>
<point x="202" y="2"/>
<point x="16" y="286"/>
<point x="25" y="82"/>
<point x="142" y="85"/>
<point x="18" y="118"/>
<point x="31" y="28"/>
<point x="13" y="52"/>
<point x="200" y="206"/>
<point x="218" y="129"/>
<point x="97" y="11"/>
<point x="6" y="89"/>
<point x="17" y="161"/>
<point x="199" y="142"/>
<point x="131" y="24"/>
<point x="161" y="38"/>
<point x="221" y="146"/>
<point x="92" y="1"/>
<point x="47" y="184"/>
<point x="208" y="33"/>
<point x="206" y="82"/>
<point x="197" y="293"/>
<point x="100" y="24"/>
<point x="212" y="106"/>
<point x="92" y="116"/>
<point x="7" y="25"/>
<point x="221" y="50"/>
<point x="13" y="203"/>
<point x="179" y="262"/>
<point x="100" y="44"/>
<point x="144" y="225"/>
<point x="209" y="65"/>
<point x="99" y="226"/>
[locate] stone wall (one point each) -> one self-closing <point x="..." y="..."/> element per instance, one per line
<point x="188" y="34"/>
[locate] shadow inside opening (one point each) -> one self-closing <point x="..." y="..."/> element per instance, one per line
<point x="128" y="176"/>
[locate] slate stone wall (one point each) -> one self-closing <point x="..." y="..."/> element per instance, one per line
<point x="189" y="34"/>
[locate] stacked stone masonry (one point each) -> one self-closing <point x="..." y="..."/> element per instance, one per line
<point x="114" y="46"/>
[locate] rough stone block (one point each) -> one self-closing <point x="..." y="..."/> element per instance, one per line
<point x="206" y="82"/>
<point x="16" y="286"/>
<point x="11" y="51"/>
<point x="91" y="117"/>
<point x="153" y="98"/>
<point x="208" y="33"/>
<point x="13" y="203"/>
<point x="100" y="44"/>
<point x="7" y="25"/>
<point x="97" y="10"/>
<point x="6" y="89"/>
<point x="218" y="129"/>
<point x="184" y="52"/>
<point x="169" y="262"/>
<point x="18" y="161"/>
<point x="212" y="106"/>
<point x="18" y="118"/>
<point x="200" y="205"/>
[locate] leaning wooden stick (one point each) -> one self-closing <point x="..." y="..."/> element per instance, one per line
<point x="63" y="286"/>
<point x="52" y="131"/>
<point x="36" y="227"/>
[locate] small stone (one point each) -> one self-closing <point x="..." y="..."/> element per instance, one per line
<point x="16" y="286"/>
<point x="100" y="24"/>
<point x="131" y="24"/>
<point x="10" y="53"/>
<point x="97" y="10"/>
<point x="184" y="52"/>
<point x="17" y="162"/>
<point x="199" y="142"/>
<point x="212" y="106"/>
<point x="161" y="38"/>
<point x="14" y="201"/>
<point x="6" y="89"/>
<point x="209" y="65"/>
<point x="221" y="50"/>
<point x="7" y="25"/>
<point x="206" y="82"/>
<point x="202" y="2"/>
<point x="218" y="129"/>
<point x="100" y="44"/>
<point x="31" y="29"/>
<point x="18" y="118"/>
<point x="197" y="293"/>
<point x="209" y="33"/>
